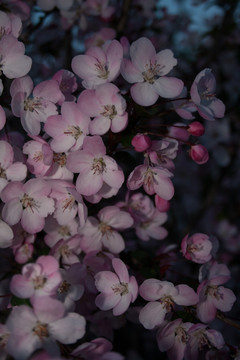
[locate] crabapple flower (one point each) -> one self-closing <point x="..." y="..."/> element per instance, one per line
<point x="162" y="296"/>
<point x="173" y="338"/>
<point x="33" y="106"/>
<point x="147" y="69"/>
<point x="55" y="231"/>
<point x="213" y="296"/>
<point x="6" y="235"/>
<point x="155" y="180"/>
<point x="104" y="233"/>
<point x="67" y="250"/>
<point x="197" y="248"/>
<point x="161" y="204"/>
<point x="9" y="170"/>
<point x="27" y="202"/>
<point x="106" y="106"/>
<point x="117" y="289"/>
<point x="38" y="279"/>
<point x="10" y="24"/>
<point x="13" y="62"/>
<point x="199" y="154"/>
<point x="99" y="65"/>
<point x="67" y="84"/>
<point x="68" y="130"/>
<point x="40" y="327"/>
<point x="94" y="166"/>
<point x="22" y="244"/>
<point x="204" y="97"/>
<point x="200" y="337"/>
<point x="151" y="227"/>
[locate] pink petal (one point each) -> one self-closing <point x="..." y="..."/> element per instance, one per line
<point x="21" y="287"/>
<point x="130" y="72"/>
<point x="152" y="314"/>
<point x="107" y="301"/>
<point x="69" y="329"/>
<point x="166" y="60"/>
<point x="2" y="118"/>
<point x="144" y="94"/>
<point x="123" y="305"/>
<point x="168" y="87"/>
<point x="186" y="296"/>
<point x="121" y="270"/>
<point x="104" y="281"/>
<point x="89" y="183"/>
<point x="142" y="52"/>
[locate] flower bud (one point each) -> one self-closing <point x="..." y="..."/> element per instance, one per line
<point x="196" y="128"/>
<point x="199" y="154"/>
<point x="141" y="142"/>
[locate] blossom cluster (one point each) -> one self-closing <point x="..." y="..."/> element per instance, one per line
<point x="73" y="213"/>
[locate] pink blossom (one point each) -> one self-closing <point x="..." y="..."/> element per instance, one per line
<point x="199" y="154"/>
<point x="199" y="338"/>
<point x="104" y="233"/>
<point x="99" y="65"/>
<point x="27" y="202"/>
<point x="162" y="152"/>
<point x="67" y="84"/>
<point x="10" y="170"/>
<point x="117" y="289"/>
<point x="196" y="128"/>
<point x="13" y="62"/>
<point x="204" y="97"/>
<point x="38" y="279"/>
<point x="162" y="295"/>
<point x="197" y="248"/>
<point x="40" y="327"/>
<point x="173" y="338"/>
<point x="69" y="129"/>
<point x="34" y="106"/>
<point x="213" y="296"/>
<point x="141" y="142"/>
<point x="151" y="227"/>
<point x="106" y="106"/>
<point x="10" y="24"/>
<point x="67" y="250"/>
<point x="184" y="107"/>
<point x="155" y="180"/>
<point x="22" y="245"/>
<point x="55" y="231"/>
<point x="95" y="167"/>
<point x="147" y="69"/>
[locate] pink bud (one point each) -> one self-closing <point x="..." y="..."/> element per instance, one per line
<point x="161" y="204"/>
<point x="196" y="128"/>
<point x="141" y="142"/>
<point x="179" y="132"/>
<point x="199" y="154"/>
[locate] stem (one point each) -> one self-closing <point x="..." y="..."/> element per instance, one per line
<point x="124" y="16"/>
<point x="228" y="321"/>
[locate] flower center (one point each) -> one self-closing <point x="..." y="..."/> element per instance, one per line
<point x="74" y="131"/>
<point x="32" y="104"/>
<point x="39" y="282"/>
<point x="102" y="70"/>
<point x="109" y="111"/>
<point x="38" y="156"/>
<point x="2" y="173"/>
<point x="40" y="330"/>
<point x="213" y="290"/>
<point x="148" y="178"/>
<point x="98" y="166"/>
<point x="191" y="248"/>
<point x="68" y="203"/>
<point x="167" y="302"/>
<point x="60" y="159"/>
<point x="152" y="72"/>
<point x="64" y="231"/>
<point x="181" y="334"/>
<point x="64" y="287"/>
<point x="121" y="288"/>
<point x="104" y="228"/>
<point x="29" y="202"/>
<point x="65" y="251"/>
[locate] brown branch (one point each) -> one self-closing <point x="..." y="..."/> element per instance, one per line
<point x="124" y="16"/>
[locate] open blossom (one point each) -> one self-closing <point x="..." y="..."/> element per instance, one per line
<point x="2" y="114"/>
<point x="204" y="97"/>
<point x="34" y="106"/>
<point x="151" y="227"/>
<point x="103" y="233"/>
<point x="106" y="106"/>
<point x="117" y="289"/>
<point x="69" y="129"/>
<point x="41" y="326"/>
<point x="99" y="65"/>
<point x="13" y="62"/>
<point x="10" y="24"/>
<point x="147" y="70"/>
<point x="6" y="235"/>
<point x="173" y="338"/>
<point x="213" y="296"/>
<point x="155" y="180"/>
<point x="37" y="279"/>
<point x="9" y="170"/>
<point x="162" y="296"/>
<point x="197" y="248"/>
<point x="27" y="202"/>
<point x="94" y="166"/>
